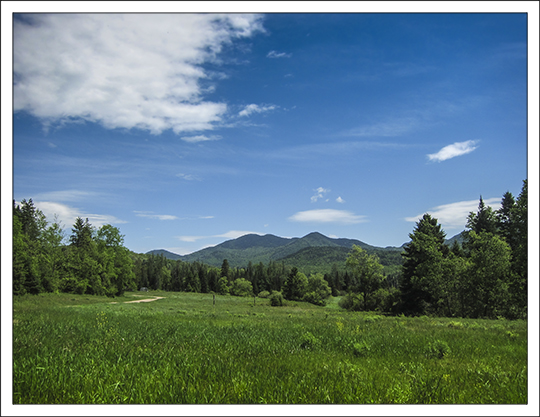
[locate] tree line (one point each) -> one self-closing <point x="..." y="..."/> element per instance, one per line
<point x="94" y="262"/>
<point x="486" y="276"/>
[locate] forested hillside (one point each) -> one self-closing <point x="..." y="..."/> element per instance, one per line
<point x="255" y="248"/>
<point x="482" y="274"/>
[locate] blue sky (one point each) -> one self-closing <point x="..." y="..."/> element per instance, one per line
<point x="186" y="130"/>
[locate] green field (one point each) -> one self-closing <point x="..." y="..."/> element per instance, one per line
<point x="76" y="349"/>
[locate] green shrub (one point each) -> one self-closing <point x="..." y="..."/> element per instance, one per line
<point x="314" y="298"/>
<point x="241" y="288"/>
<point x="223" y="288"/>
<point x="309" y="341"/>
<point x="352" y="302"/>
<point x="264" y="294"/>
<point x="361" y="348"/>
<point x="438" y="349"/>
<point x="276" y="299"/>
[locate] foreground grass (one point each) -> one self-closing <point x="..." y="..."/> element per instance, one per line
<point x="70" y="349"/>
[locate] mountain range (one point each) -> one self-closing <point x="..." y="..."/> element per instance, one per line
<point x="314" y="248"/>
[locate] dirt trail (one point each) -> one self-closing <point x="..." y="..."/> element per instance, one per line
<point x="146" y="300"/>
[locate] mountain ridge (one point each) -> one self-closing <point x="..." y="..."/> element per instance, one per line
<point x="265" y="248"/>
<point x="257" y="248"/>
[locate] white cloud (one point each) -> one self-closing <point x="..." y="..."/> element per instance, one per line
<point x="67" y="215"/>
<point x="453" y="150"/>
<point x="200" y="138"/>
<point x="188" y="177"/>
<point x="389" y="128"/>
<point x="150" y="215"/>
<point x="122" y="70"/>
<point x="327" y="216"/>
<point x="254" y="108"/>
<point x="319" y="193"/>
<point x="274" y="54"/>
<point x="190" y="238"/>
<point x="454" y="215"/>
<point x="66" y="195"/>
<point x="340" y="200"/>
<point x="231" y="234"/>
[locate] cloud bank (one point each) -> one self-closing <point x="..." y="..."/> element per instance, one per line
<point x="454" y="215"/>
<point x="122" y="70"/>
<point x="453" y="150"/>
<point x="327" y="216"/>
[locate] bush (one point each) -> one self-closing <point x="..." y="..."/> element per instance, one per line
<point x="276" y="299"/>
<point x="308" y="341"/>
<point x="361" y="349"/>
<point x="352" y="302"/>
<point x="241" y="288"/>
<point x="314" y="298"/>
<point x="264" y="294"/>
<point x="222" y="287"/>
<point x="438" y="349"/>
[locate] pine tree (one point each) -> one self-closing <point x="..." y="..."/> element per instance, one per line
<point x="422" y="266"/>
<point x="484" y="220"/>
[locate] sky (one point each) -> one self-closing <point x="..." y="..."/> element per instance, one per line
<point x="186" y="130"/>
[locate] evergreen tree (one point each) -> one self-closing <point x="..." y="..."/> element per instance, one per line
<point x="486" y="286"/>
<point x="484" y="220"/>
<point x="82" y="234"/>
<point x="505" y="219"/>
<point x="422" y="266"/>
<point x="225" y="270"/>
<point x="294" y="287"/>
<point x="519" y="249"/>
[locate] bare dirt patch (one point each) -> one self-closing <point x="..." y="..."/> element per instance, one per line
<point x="146" y="300"/>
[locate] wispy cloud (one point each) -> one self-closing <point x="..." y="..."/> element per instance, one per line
<point x="67" y="214"/>
<point x="133" y="71"/>
<point x="274" y="54"/>
<point x="319" y="193"/>
<point x="254" y="108"/>
<point x="453" y="150"/>
<point x="200" y="138"/>
<point x="65" y="195"/>
<point x="331" y="149"/>
<point x="389" y="128"/>
<point x="340" y="200"/>
<point x="188" y="177"/>
<point x="327" y="216"/>
<point x="151" y="215"/>
<point x="454" y="215"/>
<point x="231" y="234"/>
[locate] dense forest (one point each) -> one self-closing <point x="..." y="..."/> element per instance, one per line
<point x="485" y="276"/>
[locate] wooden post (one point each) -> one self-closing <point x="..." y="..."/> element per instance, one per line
<point x="214" y="299"/>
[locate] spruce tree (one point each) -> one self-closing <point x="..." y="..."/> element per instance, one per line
<point x="422" y="266"/>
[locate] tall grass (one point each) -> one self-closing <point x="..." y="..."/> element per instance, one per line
<point x="71" y="349"/>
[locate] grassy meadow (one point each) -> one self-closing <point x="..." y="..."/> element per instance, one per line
<point x="181" y="349"/>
